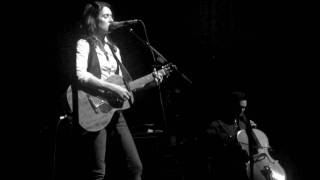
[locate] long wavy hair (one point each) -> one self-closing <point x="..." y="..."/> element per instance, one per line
<point x="89" y="21"/>
<point x="90" y="15"/>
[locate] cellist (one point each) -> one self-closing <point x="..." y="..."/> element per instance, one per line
<point x="220" y="139"/>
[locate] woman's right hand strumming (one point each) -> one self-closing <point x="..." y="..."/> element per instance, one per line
<point x="121" y="91"/>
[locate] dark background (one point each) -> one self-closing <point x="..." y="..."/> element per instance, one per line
<point x="259" y="47"/>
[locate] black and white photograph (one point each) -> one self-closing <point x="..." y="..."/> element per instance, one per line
<point x="174" y="90"/>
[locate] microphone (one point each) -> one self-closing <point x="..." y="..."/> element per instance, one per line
<point x="117" y="24"/>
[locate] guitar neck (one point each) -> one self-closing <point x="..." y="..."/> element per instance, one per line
<point x="141" y="82"/>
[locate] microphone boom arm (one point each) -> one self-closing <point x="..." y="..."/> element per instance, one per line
<point x="159" y="54"/>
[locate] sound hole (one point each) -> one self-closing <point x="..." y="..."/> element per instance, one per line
<point x="114" y="99"/>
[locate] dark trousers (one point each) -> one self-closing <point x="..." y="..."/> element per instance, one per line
<point x="110" y="153"/>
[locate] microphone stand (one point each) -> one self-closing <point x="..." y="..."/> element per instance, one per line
<point x="154" y="69"/>
<point x="163" y="60"/>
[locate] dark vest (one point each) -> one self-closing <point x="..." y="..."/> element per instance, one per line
<point x="93" y="61"/>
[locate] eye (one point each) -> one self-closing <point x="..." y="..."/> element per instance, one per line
<point x="107" y="15"/>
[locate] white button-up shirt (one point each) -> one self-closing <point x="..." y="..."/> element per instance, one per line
<point x="108" y="64"/>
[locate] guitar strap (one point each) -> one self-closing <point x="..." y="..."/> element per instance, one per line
<point x="124" y="71"/>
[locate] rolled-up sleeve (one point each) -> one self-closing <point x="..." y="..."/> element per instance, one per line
<point x="82" y="54"/>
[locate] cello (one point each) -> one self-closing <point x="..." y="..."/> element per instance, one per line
<point x="261" y="165"/>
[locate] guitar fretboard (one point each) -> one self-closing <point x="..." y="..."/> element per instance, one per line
<point x="141" y="82"/>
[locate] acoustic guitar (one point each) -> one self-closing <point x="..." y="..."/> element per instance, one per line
<point x="96" y="112"/>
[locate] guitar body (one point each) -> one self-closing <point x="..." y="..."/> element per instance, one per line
<point x="95" y="113"/>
